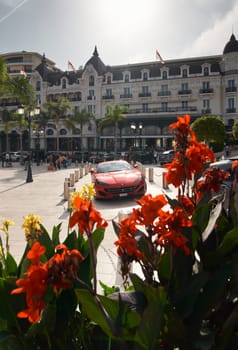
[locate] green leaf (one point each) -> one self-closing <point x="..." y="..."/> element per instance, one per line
<point x="55" y="234"/>
<point x="9" y="341"/>
<point x="230" y="241"/>
<point x="11" y="265"/>
<point x="97" y="237"/>
<point x="45" y="240"/>
<point x="153" y="320"/>
<point x="108" y="290"/>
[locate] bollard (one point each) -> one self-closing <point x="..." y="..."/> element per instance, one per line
<point x="71" y="180"/>
<point x="86" y="169"/>
<point x="164" y="182"/>
<point x="66" y="189"/>
<point x="143" y="170"/>
<point x="151" y="175"/>
<point x="76" y="175"/>
<point x="71" y="190"/>
<point x="81" y="172"/>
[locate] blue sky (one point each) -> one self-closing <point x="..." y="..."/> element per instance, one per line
<point x="125" y="31"/>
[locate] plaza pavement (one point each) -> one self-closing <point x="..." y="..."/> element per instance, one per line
<point x="45" y="197"/>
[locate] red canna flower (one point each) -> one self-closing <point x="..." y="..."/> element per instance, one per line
<point x="150" y="206"/>
<point x="85" y="216"/>
<point x="211" y="180"/>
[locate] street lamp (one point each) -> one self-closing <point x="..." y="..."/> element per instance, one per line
<point x="38" y="132"/>
<point x="31" y="114"/>
<point x="137" y="129"/>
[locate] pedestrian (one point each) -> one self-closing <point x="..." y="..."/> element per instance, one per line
<point x="3" y="160"/>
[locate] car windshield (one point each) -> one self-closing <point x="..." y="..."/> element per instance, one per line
<point x="114" y="166"/>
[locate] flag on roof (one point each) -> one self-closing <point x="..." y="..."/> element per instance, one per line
<point x="22" y="72"/>
<point x="71" y="66"/>
<point x="158" y="57"/>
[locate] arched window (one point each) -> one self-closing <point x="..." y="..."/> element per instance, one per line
<point x="38" y="85"/>
<point x="63" y="83"/>
<point x="164" y="74"/>
<point x="63" y="132"/>
<point x="91" y="80"/>
<point x="109" y="79"/>
<point x="185" y="73"/>
<point x="50" y="132"/>
<point x="206" y="71"/>
<point x="126" y="78"/>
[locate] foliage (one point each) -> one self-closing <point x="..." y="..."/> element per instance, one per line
<point x="114" y="115"/>
<point x="186" y="296"/>
<point x="57" y="111"/>
<point x="235" y="130"/>
<point x="209" y="129"/>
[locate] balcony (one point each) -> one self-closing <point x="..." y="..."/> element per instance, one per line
<point x="147" y="94"/>
<point x="162" y="110"/>
<point x="231" y="110"/>
<point x="126" y="96"/>
<point x="231" y="89"/>
<point x="91" y="98"/>
<point x="108" y="97"/>
<point x="164" y="93"/>
<point x="184" y="92"/>
<point x="206" y="111"/>
<point x="206" y="91"/>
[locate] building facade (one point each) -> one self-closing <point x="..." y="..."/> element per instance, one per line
<point x="154" y="93"/>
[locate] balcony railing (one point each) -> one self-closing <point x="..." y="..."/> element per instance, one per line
<point x="107" y="97"/>
<point x="231" y="110"/>
<point x="206" y="91"/>
<point x="163" y="110"/>
<point x="184" y="92"/>
<point x="146" y="94"/>
<point x="206" y="111"/>
<point x="164" y="93"/>
<point x="126" y="96"/>
<point x="231" y="89"/>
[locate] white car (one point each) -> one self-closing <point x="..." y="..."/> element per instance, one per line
<point x="15" y="156"/>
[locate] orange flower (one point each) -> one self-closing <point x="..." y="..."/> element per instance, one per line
<point x="127" y="242"/>
<point x="176" y="173"/>
<point x="149" y="209"/>
<point x="63" y="267"/>
<point x="34" y="285"/>
<point x="211" y="180"/>
<point x="198" y="155"/>
<point x="36" y="251"/>
<point x="85" y="216"/>
<point x="170" y="226"/>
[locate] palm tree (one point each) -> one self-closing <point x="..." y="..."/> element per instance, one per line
<point x="82" y="117"/>
<point x="7" y="121"/>
<point x="57" y="112"/>
<point x="114" y="114"/>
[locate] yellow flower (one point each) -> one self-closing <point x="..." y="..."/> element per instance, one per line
<point x="6" y="223"/>
<point x="87" y="193"/>
<point x="32" y="227"/>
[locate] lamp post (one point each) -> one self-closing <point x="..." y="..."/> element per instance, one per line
<point x="137" y="129"/>
<point x="38" y="132"/>
<point x="31" y="114"/>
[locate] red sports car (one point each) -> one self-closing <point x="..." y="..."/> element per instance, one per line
<point x="117" y="178"/>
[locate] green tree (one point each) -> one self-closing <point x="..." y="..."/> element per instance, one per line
<point x="82" y="118"/>
<point x="115" y="113"/>
<point x="57" y="112"/>
<point x="235" y="130"/>
<point x="209" y="129"/>
<point x="7" y="121"/>
<point x="3" y="76"/>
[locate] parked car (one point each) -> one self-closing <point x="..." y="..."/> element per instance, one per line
<point x="15" y="156"/>
<point x="117" y="178"/>
<point x="142" y="155"/>
<point x="166" y="156"/>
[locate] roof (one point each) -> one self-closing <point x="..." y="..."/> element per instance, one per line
<point x="231" y="46"/>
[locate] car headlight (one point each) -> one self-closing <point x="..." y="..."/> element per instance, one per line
<point x="101" y="183"/>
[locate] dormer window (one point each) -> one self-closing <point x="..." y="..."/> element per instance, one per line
<point x="145" y="76"/>
<point x="206" y="71"/>
<point x="126" y="78"/>
<point x="38" y="85"/>
<point x="91" y="80"/>
<point x="63" y="83"/>
<point x="109" y="79"/>
<point x="164" y="74"/>
<point x="184" y="73"/>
